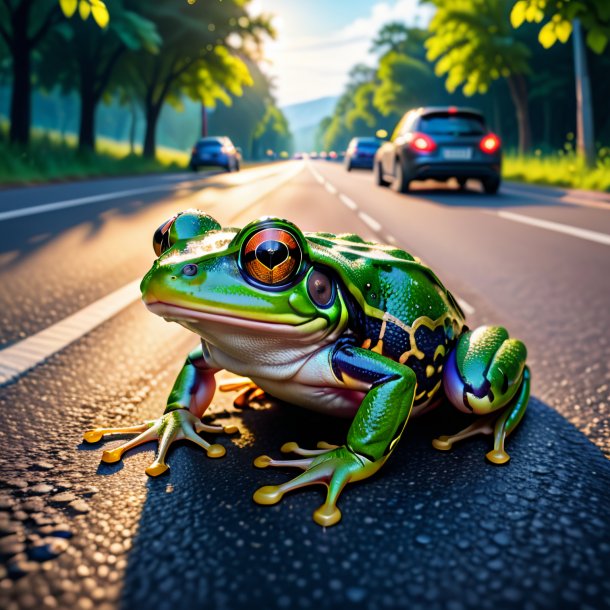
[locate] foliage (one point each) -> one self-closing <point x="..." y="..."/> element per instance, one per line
<point x="51" y="157"/>
<point x="96" y="8"/>
<point x="559" y="169"/>
<point x="272" y="132"/>
<point x="473" y="44"/>
<point x="559" y="14"/>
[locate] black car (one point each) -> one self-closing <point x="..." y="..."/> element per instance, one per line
<point x="361" y="152"/>
<point x="215" y="151"/>
<point x="440" y="143"/>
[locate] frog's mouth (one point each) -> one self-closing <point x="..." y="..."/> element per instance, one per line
<point x="310" y="330"/>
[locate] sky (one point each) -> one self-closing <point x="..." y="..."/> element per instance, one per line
<point x="318" y="41"/>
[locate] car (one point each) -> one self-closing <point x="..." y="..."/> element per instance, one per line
<point x="361" y="152"/>
<point x="440" y="142"/>
<point x="215" y="151"/>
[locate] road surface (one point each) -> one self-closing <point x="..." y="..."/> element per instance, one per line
<point x="431" y="530"/>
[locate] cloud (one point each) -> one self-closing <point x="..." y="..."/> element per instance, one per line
<point x="308" y="67"/>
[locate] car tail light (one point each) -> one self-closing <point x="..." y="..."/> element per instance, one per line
<point x="490" y="143"/>
<point x="226" y="149"/>
<point x="420" y="142"/>
<point x="352" y="149"/>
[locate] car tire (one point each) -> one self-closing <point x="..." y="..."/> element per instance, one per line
<point x="348" y="167"/>
<point x="491" y="185"/>
<point x="194" y="168"/>
<point x="378" y="175"/>
<point x="462" y="183"/>
<point x="400" y="184"/>
<point x="237" y="168"/>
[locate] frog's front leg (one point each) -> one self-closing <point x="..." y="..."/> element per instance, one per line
<point x="190" y="396"/>
<point x="486" y="374"/>
<point x="377" y="426"/>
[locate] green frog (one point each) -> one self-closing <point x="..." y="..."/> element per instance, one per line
<point x="333" y="323"/>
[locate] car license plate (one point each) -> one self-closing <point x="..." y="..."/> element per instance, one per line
<point x="457" y="153"/>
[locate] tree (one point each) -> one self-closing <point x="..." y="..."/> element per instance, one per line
<point x="23" y="26"/>
<point x="473" y="44"/>
<point x="82" y="56"/>
<point x="565" y="18"/>
<point x="272" y="132"/>
<point x="196" y="60"/>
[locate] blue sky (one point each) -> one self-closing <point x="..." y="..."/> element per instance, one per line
<point x="320" y="40"/>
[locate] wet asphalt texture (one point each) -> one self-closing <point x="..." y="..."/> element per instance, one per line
<point x="432" y="529"/>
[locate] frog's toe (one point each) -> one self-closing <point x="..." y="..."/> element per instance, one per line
<point x="293" y="447"/>
<point x="442" y="443"/>
<point x="250" y="391"/>
<point x="268" y="495"/>
<point x="327" y="515"/>
<point x="156" y="469"/>
<point x="498" y="456"/>
<point x="264" y="461"/>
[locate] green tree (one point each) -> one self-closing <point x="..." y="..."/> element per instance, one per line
<point x="82" y="56"/>
<point x="473" y="44"/>
<point x="272" y="132"/>
<point x="200" y="57"/>
<point x="24" y="24"/>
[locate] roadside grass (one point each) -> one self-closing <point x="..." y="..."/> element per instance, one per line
<point x="560" y="169"/>
<point x="51" y="157"/>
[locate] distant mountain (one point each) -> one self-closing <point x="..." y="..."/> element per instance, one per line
<point x="304" y="119"/>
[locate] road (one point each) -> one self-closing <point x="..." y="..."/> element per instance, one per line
<point x="431" y="530"/>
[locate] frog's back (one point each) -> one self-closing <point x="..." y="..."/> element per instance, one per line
<point x="398" y="307"/>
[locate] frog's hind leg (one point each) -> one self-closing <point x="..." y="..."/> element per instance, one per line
<point x="250" y="391"/>
<point x="486" y="375"/>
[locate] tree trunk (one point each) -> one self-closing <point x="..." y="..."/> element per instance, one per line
<point x="150" y="137"/>
<point x="518" y="91"/>
<point x="584" y="107"/>
<point x="86" y="133"/>
<point x="132" y="128"/>
<point x="21" y="95"/>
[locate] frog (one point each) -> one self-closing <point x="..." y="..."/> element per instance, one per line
<point x="330" y="322"/>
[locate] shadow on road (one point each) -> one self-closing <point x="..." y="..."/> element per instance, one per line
<point x="431" y="530"/>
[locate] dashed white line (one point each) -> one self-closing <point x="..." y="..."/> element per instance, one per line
<point x="330" y="188"/>
<point x="26" y="354"/>
<point x="371" y="222"/>
<point x="600" y="238"/>
<point x="350" y="203"/>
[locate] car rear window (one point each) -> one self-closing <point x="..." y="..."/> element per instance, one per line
<point x="372" y="144"/>
<point x="452" y="124"/>
<point x="209" y="144"/>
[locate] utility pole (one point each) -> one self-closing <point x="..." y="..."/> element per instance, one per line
<point x="584" y="107"/>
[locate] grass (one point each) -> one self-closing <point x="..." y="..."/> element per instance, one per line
<point x="51" y="157"/>
<point x="563" y="168"/>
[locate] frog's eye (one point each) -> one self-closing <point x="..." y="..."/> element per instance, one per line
<point x="161" y="237"/>
<point x="320" y="288"/>
<point x="271" y="256"/>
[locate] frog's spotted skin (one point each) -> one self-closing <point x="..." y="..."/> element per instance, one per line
<point x="329" y="322"/>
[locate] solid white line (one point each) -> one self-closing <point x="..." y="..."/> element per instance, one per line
<point x="71" y="203"/>
<point x="466" y="307"/>
<point x="371" y="222"/>
<point x="350" y="203"/>
<point x="20" y="357"/>
<point x="600" y="238"/>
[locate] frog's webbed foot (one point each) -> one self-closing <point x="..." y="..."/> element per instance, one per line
<point x="172" y="426"/>
<point x="331" y="466"/>
<point x="250" y="391"/>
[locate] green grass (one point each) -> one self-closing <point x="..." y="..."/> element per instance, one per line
<point x="51" y="157"/>
<point x="559" y="169"/>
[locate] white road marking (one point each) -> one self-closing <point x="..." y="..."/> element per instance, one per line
<point x="466" y="307"/>
<point x="391" y="239"/>
<point x="350" y="203"/>
<point x="600" y="238"/>
<point x="371" y="222"/>
<point x="21" y="357"/>
<point x="330" y="188"/>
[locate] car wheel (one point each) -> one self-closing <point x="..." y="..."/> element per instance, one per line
<point x="348" y="167"/>
<point x="462" y="182"/>
<point x="237" y="168"/>
<point x="400" y="184"/>
<point x="491" y="185"/>
<point x="378" y="175"/>
<point x="194" y="168"/>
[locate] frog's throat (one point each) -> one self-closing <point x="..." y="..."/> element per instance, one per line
<point x="173" y="313"/>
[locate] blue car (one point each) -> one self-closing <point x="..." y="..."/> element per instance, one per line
<point x="360" y="153"/>
<point x="215" y="151"/>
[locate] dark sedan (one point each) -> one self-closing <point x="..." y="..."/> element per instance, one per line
<point x="361" y="152"/>
<point x="440" y="143"/>
<point x="215" y="151"/>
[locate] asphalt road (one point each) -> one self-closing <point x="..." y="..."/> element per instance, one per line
<point x="431" y="530"/>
